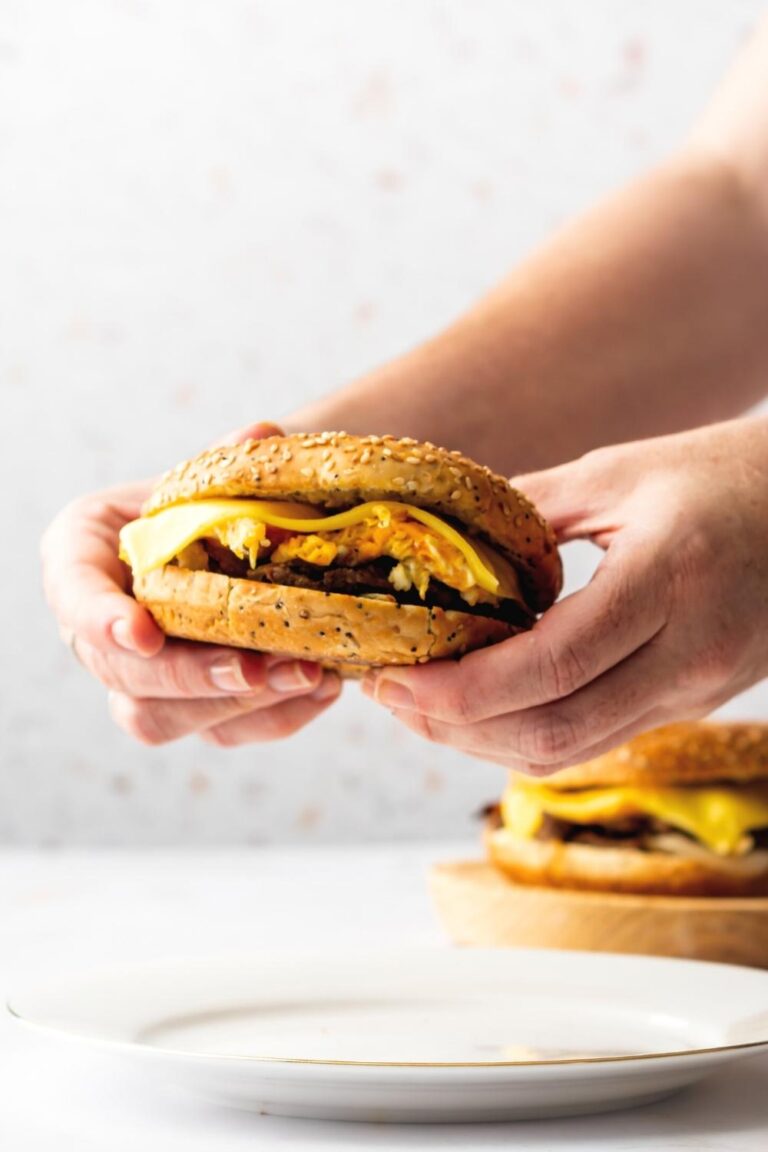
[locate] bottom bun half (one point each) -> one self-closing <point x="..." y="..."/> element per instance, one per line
<point x="554" y="864"/>
<point x="349" y="633"/>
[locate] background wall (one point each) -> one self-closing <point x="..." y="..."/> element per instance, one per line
<point x="210" y="212"/>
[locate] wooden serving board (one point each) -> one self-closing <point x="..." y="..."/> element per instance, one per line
<point x="480" y="906"/>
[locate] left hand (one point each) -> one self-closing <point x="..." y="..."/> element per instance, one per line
<point x="162" y="689"/>
<point x="673" y="623"/>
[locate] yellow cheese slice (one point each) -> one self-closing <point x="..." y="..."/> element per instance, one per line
<point x="718" y="817"/>
<point x="152" y="541"/>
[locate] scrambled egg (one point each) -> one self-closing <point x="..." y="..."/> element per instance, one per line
<point x="244" y="537"/>
<point x="422" y="545"/>
<point x="420" y="552"/>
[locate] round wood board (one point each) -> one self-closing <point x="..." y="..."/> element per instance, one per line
<point x="478" y="905"/>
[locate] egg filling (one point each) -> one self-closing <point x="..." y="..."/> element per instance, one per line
<point x="376" y="548"/>
<point x="728" y="821"/>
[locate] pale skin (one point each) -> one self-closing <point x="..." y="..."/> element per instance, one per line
<point x="646" y="317"/>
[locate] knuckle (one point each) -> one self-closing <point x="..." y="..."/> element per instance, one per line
<point x="595" y="464"/>
<point x="422" y="726"/>
<point x="459" y="705"/>
<point x="221" y="737"/>
<point x="106" y="668"/>
<point x="139" y="719"/>
<point x="709" y="668"/>
<point x="180" y="676"/>
<point x="562" y="670"/>
<point x="99" y="665"/>
<point x="280" y="726"/>
<point x="548" y="739"/>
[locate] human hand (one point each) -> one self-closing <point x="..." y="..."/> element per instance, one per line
<point x="672" y="624"/>
<point x="160" y="688"/>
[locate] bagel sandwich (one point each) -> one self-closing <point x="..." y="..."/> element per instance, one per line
<point x="353" y="551"/>
<point x="681" y="810"/>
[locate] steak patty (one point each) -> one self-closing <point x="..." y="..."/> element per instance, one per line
<point x="363" y="580"/>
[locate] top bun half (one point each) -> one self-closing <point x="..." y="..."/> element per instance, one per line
<point x="693" y="753"/>
<point x="336" y="470"/>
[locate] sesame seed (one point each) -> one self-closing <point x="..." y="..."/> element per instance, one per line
<point x="365" y="456"/>
<point x="413" y="460"/>
<point x="272" y="449"/>
<point x="270" y="468"/>
<point x="398" y="481"/>
<point x="386" y="452"/>
<point x="430" y="458"/>
<point x="468" y="482"/>
<point x="456" y="494"/>
<point x="307" y="471"/>
<point x="326" y="453"/>
<point x="412" y="486"/>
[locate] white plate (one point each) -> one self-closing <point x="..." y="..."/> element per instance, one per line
<point x="434" y="1035"/>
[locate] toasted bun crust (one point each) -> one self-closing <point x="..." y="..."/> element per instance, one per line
<point x="694" y="753"/>
<point x="350" y="632"/>
<point x="553" y="864"/>
<point x="334" y="470"/>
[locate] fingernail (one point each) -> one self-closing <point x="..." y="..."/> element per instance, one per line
<point x="328" y="688"/>
<point x="392" y="694"/>
<point x="228" y="676"/>
<point x="121" y="634"/>
<point x="292" y="676"/>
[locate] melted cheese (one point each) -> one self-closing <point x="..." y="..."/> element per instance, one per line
<point x="718" y="817"/>
<point x="419" y="538"/>
<point x="421" y="552"/>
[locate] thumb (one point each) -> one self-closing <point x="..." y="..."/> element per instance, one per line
<point x="258" y="431"/>
<point x="565" y="496"/>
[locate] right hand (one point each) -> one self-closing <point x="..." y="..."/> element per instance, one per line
<point x="162" y="689"/>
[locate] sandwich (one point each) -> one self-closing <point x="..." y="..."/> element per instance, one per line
<point x="353" y="551"/>
<point x="681" y="810"/>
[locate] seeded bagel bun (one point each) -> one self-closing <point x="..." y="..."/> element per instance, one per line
<point x="554" y="864"/>
<point x="690" y="753"/>
<point x="336" y="470"/>
<point x="349" y="633"/>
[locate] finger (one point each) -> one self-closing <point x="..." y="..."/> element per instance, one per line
<point x="158" y="721"/>
<point x="259" y="431"/>
<point x="575" y="642"/>
<point x="653" y="719"/>
<point x="572" y="496"/>
<point x="184" y="670"/>
<point x="85" y="581"/>
<point x="559" y="493"/>
<point x="569" y="731"/>
<point x="275" y="723"/>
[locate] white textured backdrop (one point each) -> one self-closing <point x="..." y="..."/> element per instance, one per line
<point x="211" y="211"/>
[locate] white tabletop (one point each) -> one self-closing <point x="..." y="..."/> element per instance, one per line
<point x="64" y="911"/>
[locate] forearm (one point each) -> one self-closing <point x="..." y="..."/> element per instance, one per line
<point x="646" y="316"/>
